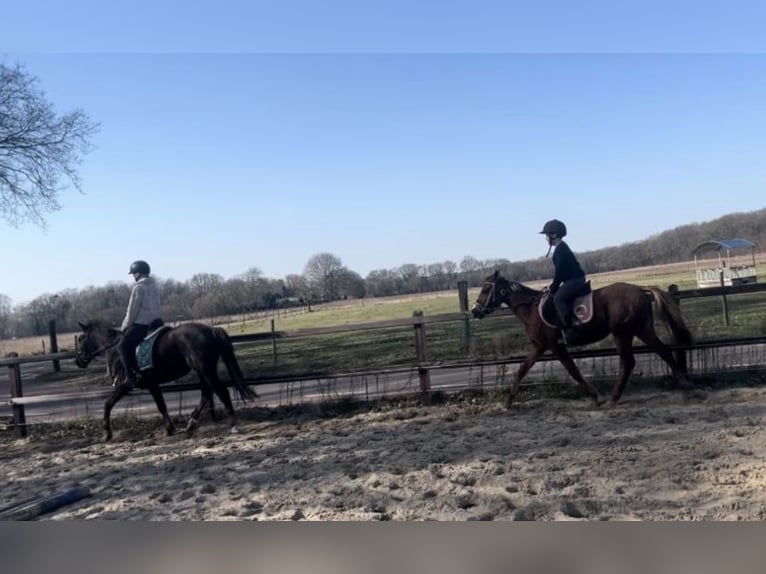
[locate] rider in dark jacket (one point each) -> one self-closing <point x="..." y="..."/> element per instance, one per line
<point x="568" y="278"/>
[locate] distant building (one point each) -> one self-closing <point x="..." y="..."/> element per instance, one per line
<point x="726" y="261"/>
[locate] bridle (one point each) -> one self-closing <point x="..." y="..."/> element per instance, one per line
<point x="483" y="309"/>
<point x="512" y="286"/>
<point x="86" y="358"/>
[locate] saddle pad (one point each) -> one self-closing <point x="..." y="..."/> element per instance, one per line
<point x="582" y="307"/>
<point x="144" y="352"/>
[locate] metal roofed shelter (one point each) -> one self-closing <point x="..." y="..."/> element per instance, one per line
<point x="725" y="262"/>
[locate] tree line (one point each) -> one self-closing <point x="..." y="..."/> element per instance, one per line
<point x="325" y="278"/>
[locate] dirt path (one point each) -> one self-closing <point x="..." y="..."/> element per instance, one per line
<point x="658" y="456"/>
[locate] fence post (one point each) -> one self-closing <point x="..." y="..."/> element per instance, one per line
<point x="14" y="382"/>
<point x="54" y="344"/>
<point x="724" y="303"/>
<point x="420" y="351"/>
<point x="273" y="342"/>
<point x="680" y="354"/>
<point x="462" y="293"/>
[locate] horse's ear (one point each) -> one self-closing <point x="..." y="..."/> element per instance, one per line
<point x="497" y="274"/>
<point x="82" y="326"/>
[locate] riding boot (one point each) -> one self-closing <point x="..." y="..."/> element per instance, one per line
<point x="131" y="378"/>
<point x="568" y="334"/>
<point x="561" y="324"/>
<point x="132" y="373"/>
<point x="571" y="333"/>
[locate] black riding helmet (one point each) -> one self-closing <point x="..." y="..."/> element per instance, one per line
<point x="141" y="267"/>
<point x="554" y="227"/>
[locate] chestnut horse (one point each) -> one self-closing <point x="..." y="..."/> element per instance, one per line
<point x="620" y="309"/>
<point x="177" y="351"/>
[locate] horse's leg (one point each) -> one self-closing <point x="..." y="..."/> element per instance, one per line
<point x="120" y="391"/>
<point x="162" y="407"/>
<point x="522" y="371"/>
<point x="222" y="391"/>
<point x="213" y="414"/>
<point x="650" y="338"/>
<point x="565" y="359"/>
<point x="206" y="399"/>
<point x="624" y="345"/>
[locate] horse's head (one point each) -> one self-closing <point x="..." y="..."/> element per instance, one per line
<point x="494" y="292"/>
<point x="94" y="339"/>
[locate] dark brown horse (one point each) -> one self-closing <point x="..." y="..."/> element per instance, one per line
<point x="177" y="351"/>
<point x="621" y="309"/>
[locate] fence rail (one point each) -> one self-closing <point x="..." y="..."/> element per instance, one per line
<point x="718" y="291"/>
<point x="420" y="364"/>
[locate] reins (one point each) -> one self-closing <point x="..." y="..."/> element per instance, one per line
<point x="102" y="348"/>
<point x="513" y="306"/>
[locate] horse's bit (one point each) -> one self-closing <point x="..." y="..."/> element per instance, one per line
<point x="89" y="356"/>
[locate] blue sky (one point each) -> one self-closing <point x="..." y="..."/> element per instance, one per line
<point x="237" y="135"/>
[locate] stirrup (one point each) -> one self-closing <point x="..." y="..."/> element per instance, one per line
<point x="132" y="379"/>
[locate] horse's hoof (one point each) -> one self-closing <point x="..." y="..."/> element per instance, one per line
<point x="107" y="436"/>
<point x="190" y="426"/>
<point x="170" y="431"/>
<point x="599" y="401"/>
<point x="234" y="430"/>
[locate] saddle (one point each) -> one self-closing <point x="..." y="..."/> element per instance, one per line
<point x="145" y="349"/>
<point x="582" y="308"/>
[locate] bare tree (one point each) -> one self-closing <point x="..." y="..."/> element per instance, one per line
<point x="39" y="150"/>
<point x="255" y="287"/>
<point x="351" y="284"/>
<point x="203" y="283"/>
<point x="295" y="285"/>
<point x="469" y="264"/>
<point x="450" y="272"/>
<point x="382" y="282"/>
<point x="323" y="273"/>
<point x="437" y="277"/>
<point x="409" y="275"/>
<point x="232" y="296"/>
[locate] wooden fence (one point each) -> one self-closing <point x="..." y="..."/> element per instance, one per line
<point x="418" y="322"/>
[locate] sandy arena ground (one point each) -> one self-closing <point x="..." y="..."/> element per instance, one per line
<point x="659" y="455"/>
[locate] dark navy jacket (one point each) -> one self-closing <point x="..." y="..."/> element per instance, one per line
<point x="566" y="266"/>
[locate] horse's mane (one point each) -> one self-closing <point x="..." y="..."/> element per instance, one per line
<point x="522" y="289"/>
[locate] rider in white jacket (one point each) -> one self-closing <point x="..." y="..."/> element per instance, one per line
<point x="143" y="309"/>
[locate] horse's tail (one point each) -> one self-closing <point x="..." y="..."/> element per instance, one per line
<point x="670" y="313"/>
<point x="232" y="365"/>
